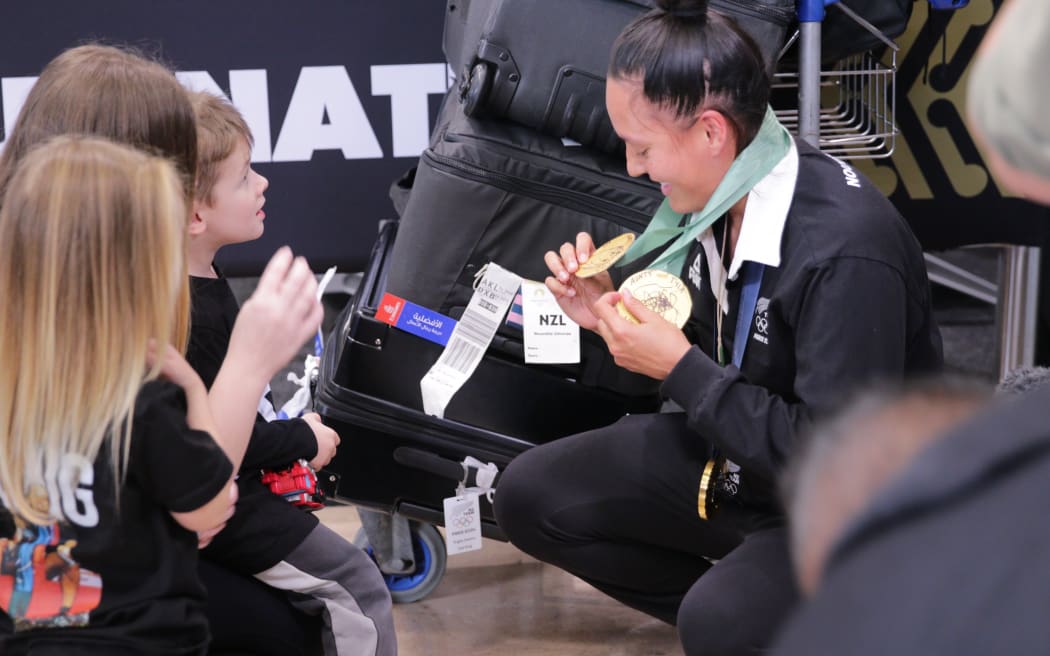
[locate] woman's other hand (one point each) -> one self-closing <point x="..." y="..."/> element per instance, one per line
<point x="652" y="347"/>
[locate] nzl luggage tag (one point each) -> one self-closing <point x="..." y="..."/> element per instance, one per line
<point x="549" y="335"/>
<point x="415" y="319"/>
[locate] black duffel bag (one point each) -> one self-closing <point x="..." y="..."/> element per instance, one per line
<point x="542" y="63"/>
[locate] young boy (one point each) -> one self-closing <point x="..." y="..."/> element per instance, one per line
<point x="267" y="537"/>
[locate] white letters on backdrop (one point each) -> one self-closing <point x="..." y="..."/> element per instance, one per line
<point x="324" y="113"/>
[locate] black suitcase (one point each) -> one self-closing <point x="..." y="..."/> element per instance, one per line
<point x="490" y="190"/>
<point x="485" y="190"/>
<point x="393" y="457"/>
<point x="542" y="63"/>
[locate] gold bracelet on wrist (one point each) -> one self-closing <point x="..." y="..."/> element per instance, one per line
<point x="704" y="501"/>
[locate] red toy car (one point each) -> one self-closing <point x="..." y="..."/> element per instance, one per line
<point x="297" y="484"/>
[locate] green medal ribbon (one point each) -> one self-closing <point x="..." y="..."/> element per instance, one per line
<point x="755" y="162"/>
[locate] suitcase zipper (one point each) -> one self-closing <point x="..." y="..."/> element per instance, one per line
<point x="543" y="192"/>
<point x="779" y="15"/>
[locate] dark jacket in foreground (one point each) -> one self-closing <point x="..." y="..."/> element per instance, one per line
<point x="953" y="557"/>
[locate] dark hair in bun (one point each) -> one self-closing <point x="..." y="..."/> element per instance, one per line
<point x="689" y="58"/>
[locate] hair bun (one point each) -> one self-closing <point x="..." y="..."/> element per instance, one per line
<point x="684" y="9"/>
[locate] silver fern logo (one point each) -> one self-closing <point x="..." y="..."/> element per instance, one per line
<point x="762" y="321"/>
<point x="694" y="271"/>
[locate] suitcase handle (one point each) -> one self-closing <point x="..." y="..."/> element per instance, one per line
<point x="476" y="90"/>
<point x="435" y="464"/>
<point x="428" y="462"/>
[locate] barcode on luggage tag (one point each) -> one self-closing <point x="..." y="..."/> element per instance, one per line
<point x="472" y="335"/>
<point x="476" y="328"/>
<point x="459" y="355"/>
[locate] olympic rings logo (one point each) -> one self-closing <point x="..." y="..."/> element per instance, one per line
<point x="462" y="521"/>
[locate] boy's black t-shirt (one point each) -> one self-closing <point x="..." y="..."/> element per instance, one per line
<point x="264" y="528"/>
<point x="116" y="578"/>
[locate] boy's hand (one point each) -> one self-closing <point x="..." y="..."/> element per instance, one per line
<point x="327" y="440"/>
<point x="279" y="317"/>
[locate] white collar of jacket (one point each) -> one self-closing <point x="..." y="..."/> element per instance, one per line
<point x="763" y="225"/>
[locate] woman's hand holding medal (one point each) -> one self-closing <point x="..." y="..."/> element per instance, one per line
<point x="641" y="323"/>
<point x="576" y="281"/>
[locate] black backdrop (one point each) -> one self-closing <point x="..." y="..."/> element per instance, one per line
<point x="326" y="202"/>
<point x="329" y="177"/>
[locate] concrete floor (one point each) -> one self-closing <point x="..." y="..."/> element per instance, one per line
<point x="499" y="601"/>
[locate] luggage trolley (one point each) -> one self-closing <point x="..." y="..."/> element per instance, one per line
<point x="847" y="111"/>
<point x="396" y="459"/>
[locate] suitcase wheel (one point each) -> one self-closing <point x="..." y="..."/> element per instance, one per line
<point x="428" y="548"/>
<point x="477" y="88"/>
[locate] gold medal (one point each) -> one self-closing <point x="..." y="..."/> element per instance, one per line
<point x="605" y="256"/>
<point x="663" y="293"/>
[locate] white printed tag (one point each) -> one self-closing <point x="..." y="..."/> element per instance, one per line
<point x="462" y="524"/>
<point x="470" y="338"/>
<point x="550" y="336"/>
<point x="323" y="282"/>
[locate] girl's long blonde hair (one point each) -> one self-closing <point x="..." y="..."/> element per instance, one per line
<point x="92" y="269"/>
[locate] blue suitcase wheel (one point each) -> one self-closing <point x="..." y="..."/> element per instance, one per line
<point x="428" y="549"/>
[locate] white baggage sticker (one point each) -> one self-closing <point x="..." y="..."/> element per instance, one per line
<point x="550" y="336"/>
<point x="470" y="338"/>
<point x="462" y="524"/>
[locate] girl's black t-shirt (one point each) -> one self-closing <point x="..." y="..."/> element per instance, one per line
<point x="116" y="576"/>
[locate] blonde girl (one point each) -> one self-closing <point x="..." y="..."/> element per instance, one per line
<point x="95" y="448"/>
<point x="119" y="94"/>
<point x="107" y="462"/>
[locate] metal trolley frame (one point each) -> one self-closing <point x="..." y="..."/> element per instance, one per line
<point x="849" y="110"/>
